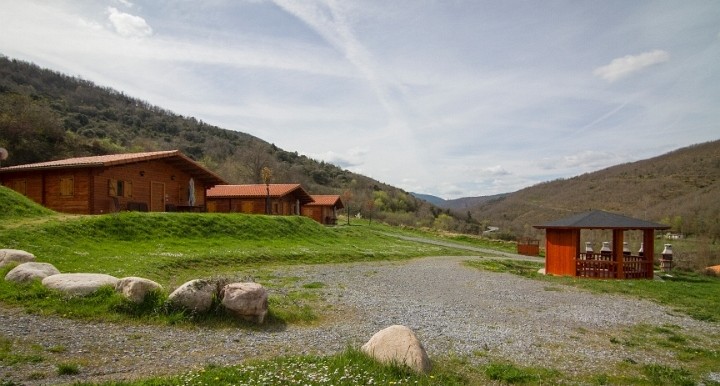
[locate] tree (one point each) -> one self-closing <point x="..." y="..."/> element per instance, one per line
<point x="266" y="176"/>
<point x="371" y="209"/>
<point x="347" y="196"/>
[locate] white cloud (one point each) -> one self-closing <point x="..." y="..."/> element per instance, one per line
<point x="128" y="25"/>
<point x="586" y="160"/>
<point x="496" y="170"/>
<point x="626" y="65"/>
<point x="125" y="3"/>
<point x="351" y="158"/>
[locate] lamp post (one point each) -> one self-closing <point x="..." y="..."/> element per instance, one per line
<point x="266" y="175"/>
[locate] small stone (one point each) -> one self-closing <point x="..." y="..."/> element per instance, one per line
<point x="8" y="256"/>
<point x="26" y="272"/>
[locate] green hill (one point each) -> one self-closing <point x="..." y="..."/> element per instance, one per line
<point x="680" y="188"/>
<point x="14" y="205"/>
<point x="46" y="115"/>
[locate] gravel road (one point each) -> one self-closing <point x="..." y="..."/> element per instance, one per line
<point x="453" y="309"/>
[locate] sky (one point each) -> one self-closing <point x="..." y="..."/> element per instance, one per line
<point x="451" y="98"/>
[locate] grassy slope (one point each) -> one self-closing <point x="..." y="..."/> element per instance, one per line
<point x="173" y="247"/>
<point x="14" y="206"/>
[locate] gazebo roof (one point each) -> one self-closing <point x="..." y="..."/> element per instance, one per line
<point x="598" y="219"/>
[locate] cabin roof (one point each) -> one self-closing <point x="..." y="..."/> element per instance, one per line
<point x="327" y="200"/>
<point x="598" y="219"/>
<point x="174" y="157"/>
<point x="259" y="191"/>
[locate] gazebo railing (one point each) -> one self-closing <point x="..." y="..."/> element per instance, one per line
<point x="596" y="265"/>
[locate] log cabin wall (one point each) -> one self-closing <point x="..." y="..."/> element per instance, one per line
<point x="28" y="184"/>
<point x="562" y="246"/>
<point x="314" y="212"/>
<point x="140" y="177"/>
<point x="284" y="206"/>
<point x="66" y="190"/>
<point x="236" y="205"/>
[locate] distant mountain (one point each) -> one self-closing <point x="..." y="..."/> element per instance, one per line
<point x="459" y="205"/>
<point x="435" y="200"/>
<point x="464" y="204"/>
<point x="680" y="188"/>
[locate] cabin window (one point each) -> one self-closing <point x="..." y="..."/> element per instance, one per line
<point x="67" y="186"/>
<point x="119" y="188"/>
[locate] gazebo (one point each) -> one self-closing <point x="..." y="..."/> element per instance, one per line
<point x="563" y="255"/>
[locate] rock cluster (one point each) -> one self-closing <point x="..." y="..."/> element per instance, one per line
<point x="248" y="301"/>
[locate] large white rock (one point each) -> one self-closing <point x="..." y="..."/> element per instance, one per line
<point x="135" y="288"/>
<point x="399" y="345"/>
<point x="195" y="295"/>
<point x="246" y="300"/>
<point x="26" y="272"/>
<point x="79" y="284"/>
<point x="8" y="256"/>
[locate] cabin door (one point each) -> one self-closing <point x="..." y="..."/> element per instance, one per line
<point x="157" y="197"/>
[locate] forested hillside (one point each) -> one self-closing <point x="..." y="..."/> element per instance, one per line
<point x="45" y="115"/>
<point x="681" y="189"/>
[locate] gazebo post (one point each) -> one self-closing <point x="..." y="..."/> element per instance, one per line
<point x="649" y="251"/>
<point x="617" y="251"/>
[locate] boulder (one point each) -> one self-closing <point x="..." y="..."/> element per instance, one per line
<point x="398" y="345"/>
<point x="8" y="256"/>
<point x="79" y="284"/>
<point x="195" y="295"/>
<point x="246" y="300"/>
<point x="713" y="270"/>
<point x="26" y="272"/>
<point x="135" y="288"/>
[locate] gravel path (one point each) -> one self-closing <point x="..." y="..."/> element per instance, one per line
<point x="452" y="308"/>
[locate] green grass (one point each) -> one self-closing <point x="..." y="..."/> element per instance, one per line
<point x="9" y="355"/>
<point x="68" y="369"/>
<point x="350" y="367"/>
<point x="518" y="267"/>
<point x="172" y="248"/>
<point x="509" y="373"/>
<point x="15" y="206"/>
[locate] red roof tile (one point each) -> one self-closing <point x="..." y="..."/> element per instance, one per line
<point x="99" y="160"/>
<point x="326" y="200"/>
<point x="180" y="160"/>
<point x="258" y="190"/>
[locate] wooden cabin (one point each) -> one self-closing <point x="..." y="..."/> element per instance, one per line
<point x="564" y="257"/>
<point x="276" y="199"/>
<point x="151" y="181"/>
<point x="323" y="209"/>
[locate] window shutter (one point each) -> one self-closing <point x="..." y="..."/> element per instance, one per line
<point x="67" y="186"/>
<point x="128" y="188"/>
<point x="112" y="188"/>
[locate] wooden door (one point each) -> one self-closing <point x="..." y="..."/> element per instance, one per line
<point x="157" y="197"/>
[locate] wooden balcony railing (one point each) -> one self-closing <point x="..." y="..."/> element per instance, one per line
<point x="602" y="266"/>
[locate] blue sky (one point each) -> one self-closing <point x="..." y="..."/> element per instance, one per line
<point x="451" y="98"/>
